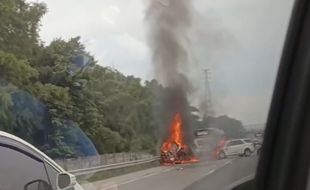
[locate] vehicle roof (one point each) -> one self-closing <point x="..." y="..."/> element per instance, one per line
<point x="30" y="147"/>
<point x="240" y="139"/>
<point x="234" y="139"/>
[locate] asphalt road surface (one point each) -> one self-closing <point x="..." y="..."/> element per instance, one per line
<point x="207" y="175"/>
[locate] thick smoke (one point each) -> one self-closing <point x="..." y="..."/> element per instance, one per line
<point x="169" y="23"/>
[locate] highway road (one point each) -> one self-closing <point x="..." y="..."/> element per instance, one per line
<point x="206" y="175"/>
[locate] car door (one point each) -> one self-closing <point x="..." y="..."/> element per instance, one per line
<point x="227" y="148"/>
<point x="231" y="147"/>
<point x="285" y="157"/>
<point x="22" y="170"/>
<point x="239" y="147"/>
<point x="52" y="174"/>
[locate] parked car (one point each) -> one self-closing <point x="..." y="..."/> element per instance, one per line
<point x="25" y="167"/>
<point x="241" y="147"/>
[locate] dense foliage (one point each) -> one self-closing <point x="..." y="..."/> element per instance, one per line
<point x="47" y="92"/>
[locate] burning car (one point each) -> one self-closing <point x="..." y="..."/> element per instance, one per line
<point x="174" y="150"/>
<point x="219" y="147"/>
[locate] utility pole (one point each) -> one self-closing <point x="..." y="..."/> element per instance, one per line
<point x="207" y="94"/>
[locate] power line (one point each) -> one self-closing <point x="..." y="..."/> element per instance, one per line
<point x="207" y="94"/>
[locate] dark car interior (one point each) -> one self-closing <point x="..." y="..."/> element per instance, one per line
<point x="285" y="155"/>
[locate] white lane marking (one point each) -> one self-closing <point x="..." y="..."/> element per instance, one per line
<point x="210" y="172"/>
<point x="115" y="186"/>
<point x="239" y="181"/>
<point x="220" y="165"/>
<point x="109" y="187"/>
<point x="135" y="179"/>
<point x="228" y="162"/>
<point x="153" y="174"/>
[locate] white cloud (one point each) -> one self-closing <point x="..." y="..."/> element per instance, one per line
<point x="240" y="41"/>
<point x="108" y="20"/>
<point x="115" y="8"/>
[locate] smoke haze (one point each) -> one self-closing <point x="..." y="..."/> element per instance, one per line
<point x="169" y="22"/>
<point x="168" y="26"/>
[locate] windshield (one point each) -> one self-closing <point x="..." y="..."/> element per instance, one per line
<point x="140" y="94"/>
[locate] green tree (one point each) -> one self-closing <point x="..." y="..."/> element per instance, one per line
<point x="117" y="112"/>
<point x="233" y="128"/>
<point x="16" y="71"/>
<point x="19" y="27"/>
<point x="5" y="104"/>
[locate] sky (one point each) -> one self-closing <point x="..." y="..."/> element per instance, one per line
<point x="239" y="41"/>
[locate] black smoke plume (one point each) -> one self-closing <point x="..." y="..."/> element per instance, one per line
<point x="168" y="26"/>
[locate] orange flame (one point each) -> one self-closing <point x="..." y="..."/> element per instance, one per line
<point x="176" y="134"/>
<point x="175" y="142"/>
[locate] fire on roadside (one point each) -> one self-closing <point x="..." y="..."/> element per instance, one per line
<point x="174" y="150"/>
<point x="220" y="145"/>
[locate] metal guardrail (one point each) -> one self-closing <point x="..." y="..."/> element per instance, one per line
<point x="99" y="160"/>
<point x="101" y="168"/>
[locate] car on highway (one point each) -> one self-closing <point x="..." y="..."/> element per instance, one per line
<point x="28" y="168"/>
<point x="241" y="147"/>
<point x="102" y="86"/>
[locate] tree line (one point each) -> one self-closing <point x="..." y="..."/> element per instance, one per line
<point x="55" y="95"/>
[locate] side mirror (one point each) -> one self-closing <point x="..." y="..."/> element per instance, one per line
<point x="37" y="185"/>
<point x="65" y="181"/>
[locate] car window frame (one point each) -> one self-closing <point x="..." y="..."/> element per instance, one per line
<point x="21" y="146"/>
<point x="285" y="156"/>
<point x="23" y="151"/>
<point x="28" y="154"/>
<point x="240" y="142"/>
<point x="233" y="141"/>
<point x="53" y="167"/>
<point x="228" y="144"/>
